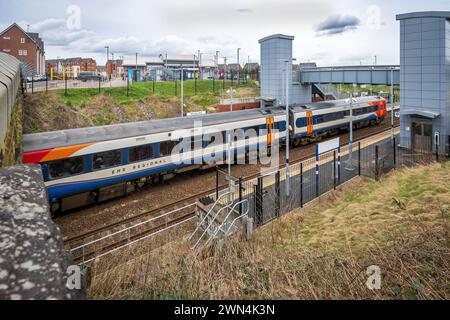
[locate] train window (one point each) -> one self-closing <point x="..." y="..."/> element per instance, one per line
<point x="320" y="119"/>
<point x="301" y="122"/>
<point x="140" y="153"/>
<point x="166" y="147"/>
<point x="106" y="159"/>
<point x="66" y="167"/>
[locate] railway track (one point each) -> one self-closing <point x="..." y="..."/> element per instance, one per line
<point x="75" y="241"/>
<point x="125" y="241"/>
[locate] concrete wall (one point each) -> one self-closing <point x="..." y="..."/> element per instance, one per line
<point x="274" y="50"/>
<point x="33" y="262"/>
<point x="425" y="70"/>
<point x="9" y="87"/>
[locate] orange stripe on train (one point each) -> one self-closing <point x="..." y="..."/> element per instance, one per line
<point x="65" y="152"/>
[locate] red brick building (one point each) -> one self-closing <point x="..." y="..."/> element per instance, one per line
<point x="28" y="47"/>
<point x="114" y="68"/>
<point x="71" y="67"/>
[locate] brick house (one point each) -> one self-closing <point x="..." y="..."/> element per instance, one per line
<point x="251" y="70"/>
<point x="28" y="47"/>
<point x="114" y="68"/>
<point x="71" y="67"/>
<point x="231" y="71"/>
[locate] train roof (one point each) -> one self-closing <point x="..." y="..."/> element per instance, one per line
<point x="62" y="138"/>
<point x="331" y="104"/>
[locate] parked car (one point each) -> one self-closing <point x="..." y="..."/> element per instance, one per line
<point x="36" y="78"/>
<point x="85" y="76"/>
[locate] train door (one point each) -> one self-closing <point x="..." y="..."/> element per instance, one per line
<point x="309" y="123"/>
<point x="421" y="136"/>
<point x="269" y="125"/>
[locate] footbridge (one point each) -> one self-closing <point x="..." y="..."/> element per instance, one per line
<point x="374" y="75"/>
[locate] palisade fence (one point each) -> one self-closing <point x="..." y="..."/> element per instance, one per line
<point x="268" y="197"/>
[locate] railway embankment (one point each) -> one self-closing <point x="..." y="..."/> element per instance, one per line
<point x="327" y="250"/>
<point x="33" y="262"/>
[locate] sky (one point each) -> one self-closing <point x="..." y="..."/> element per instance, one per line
<point x="331" y="33"/>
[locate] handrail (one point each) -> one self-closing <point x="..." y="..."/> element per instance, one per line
<point x="210" y="224"/>
<point x="236" y="219"/>
<point x="225" y="220"/>
<point x="127" y="229"/>
<point x="208" y="213"/>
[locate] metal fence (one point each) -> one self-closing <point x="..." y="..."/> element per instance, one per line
<point x="48" y="85"/>
<point x="268" y="195"/>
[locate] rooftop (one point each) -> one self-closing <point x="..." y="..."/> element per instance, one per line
<point x="423" y="14"/>
<point x="277" y="36"/>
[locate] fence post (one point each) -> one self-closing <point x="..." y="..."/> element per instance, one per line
<point x="176" y="88"/>
<point x="359" y="158"/>
<point x="448" y="146"/>
<point x="334" y="169"/>
<point x="99" y="85"/>
<point x="317" y="173"/>
<point x="46" y="83"/>
<point x="196" y="86"/>
<point x="301" y="184"/>
<point x="277" y="192"/>
<point x="153" y="86"/>
<point x="32" y="83"/>
<point x="214" y="85"/>
<point x="128" y="86"/>
<point x="437" y="152"/>
<point x="376" y="163"/>
<point x="240" y="196"/>
<point x="395" y="153"/>
<point x="65" y="86"/>
<point x="259" y="199"/>
<point x="217" y="184"/>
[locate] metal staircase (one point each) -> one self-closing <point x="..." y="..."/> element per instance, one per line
<point x="216" y="220"/>
<point x="329" y="91"/>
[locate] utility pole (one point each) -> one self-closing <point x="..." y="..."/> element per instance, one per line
<point x="392" y="102"/>
<point x="217" y="64"/>
<point x="182" y="98"/>
<point x="287" y="128"/>
<point x="107" y="59"/>
<point x="136" y="65"/>
<point x="225" y="67"/>
<point x="198" y="63"/>
<point x="238" y="66"/>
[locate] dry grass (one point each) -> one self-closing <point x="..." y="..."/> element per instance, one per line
<point x="400" y="224"/>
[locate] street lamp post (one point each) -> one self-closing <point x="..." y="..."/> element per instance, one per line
<point x="350" y="166"/>
<point x="238" y="66"/>
<point x="288" y="174"/>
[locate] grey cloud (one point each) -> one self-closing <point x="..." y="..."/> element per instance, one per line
<point x="48" y="24"/>
<point x="337" y="24"/>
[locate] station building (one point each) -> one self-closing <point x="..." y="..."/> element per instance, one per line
<point x="275" y="50"/>
<point x="424" y="79"/>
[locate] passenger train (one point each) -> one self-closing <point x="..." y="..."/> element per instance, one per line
<point x="88" y="165"/>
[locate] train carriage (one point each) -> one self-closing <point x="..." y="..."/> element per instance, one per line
<point x="87" y="165"/>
